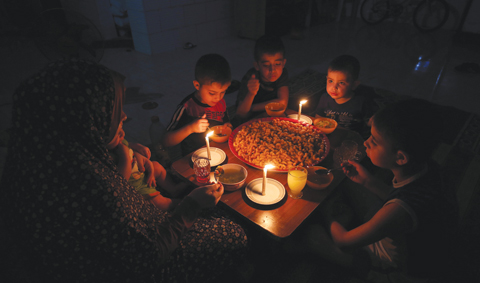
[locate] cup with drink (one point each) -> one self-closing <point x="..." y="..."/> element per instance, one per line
<point x="201" y="167"/>
<point x="347" y="151"/>
<point x="297" y="179"/>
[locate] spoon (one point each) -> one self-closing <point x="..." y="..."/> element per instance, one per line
<point x="325" y="171"/>
<point x="218" y="172"/>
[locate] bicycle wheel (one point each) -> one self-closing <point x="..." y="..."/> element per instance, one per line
<point x="430" y="15"/>
<point x="374" y="11"/>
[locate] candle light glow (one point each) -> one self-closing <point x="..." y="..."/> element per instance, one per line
<point x="264" y="184"/>
<point x="208" y="145"/>
<point x="300" y="109"/>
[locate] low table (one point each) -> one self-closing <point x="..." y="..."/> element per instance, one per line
<point x="282" y="218"/>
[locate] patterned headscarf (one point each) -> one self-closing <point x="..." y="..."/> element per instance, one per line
<point x="61" y="194"/>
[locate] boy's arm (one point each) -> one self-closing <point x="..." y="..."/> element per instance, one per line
<point x="175" y="137"/>
<point x="124" y="160"/>
<point x="247" y="94"/>
<point x="282" y="97"/>
<point x="360" y="175"/>
<point x="391" y="219"/>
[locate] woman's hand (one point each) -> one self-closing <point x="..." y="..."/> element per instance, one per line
<point x="356" y="172"/>
<point x="124" y="163"/>
<point x="207" y="196"/>
<point x="200" y="125"/>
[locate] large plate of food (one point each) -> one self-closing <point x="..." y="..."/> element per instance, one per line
<point x="282" y="142"/>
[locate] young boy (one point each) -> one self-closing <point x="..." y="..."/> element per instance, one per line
<point x="132" y="160"/>
<point x="408" y="237"/>
<point x="266" y="82"/>
<point x="204" y="107"/>
<point x="345" y="102"/>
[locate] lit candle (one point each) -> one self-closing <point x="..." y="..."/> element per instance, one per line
<point x="264" y="185"/>
<point x="208" y="145"/>
<point x="300" y="108"/>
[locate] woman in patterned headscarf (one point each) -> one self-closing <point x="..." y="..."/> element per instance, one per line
<point x="77" y="217"/>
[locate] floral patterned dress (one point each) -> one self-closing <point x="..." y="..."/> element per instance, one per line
<point x="66" y="204"/>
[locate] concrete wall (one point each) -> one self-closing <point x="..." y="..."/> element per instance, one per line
<point x="162" y="25"/>
<point x="97" y="11"/>
<point x="165" y="25"/>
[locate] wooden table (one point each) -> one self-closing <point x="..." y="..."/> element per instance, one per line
<point x="283" y="218"/>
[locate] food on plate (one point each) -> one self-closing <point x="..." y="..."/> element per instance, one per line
<point x="275" y="109"/>
<point x="325" y="124"/>
<point x="231" y="176"/>
<point x="318" y="181"/>
<point x="220" y="133"/>
<point x="281" y="143"/>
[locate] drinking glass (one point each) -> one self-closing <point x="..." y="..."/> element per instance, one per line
<point x="201" y="167"/>
<point x="297" y="178"/>
<point x="347" y="151"/>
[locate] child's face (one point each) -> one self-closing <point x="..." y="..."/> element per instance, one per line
<point x="379" y="150"/>
<point x="270" y="66"/>
<point x="210" y="94"/>
<point x="120" y="135"/>
<point x="340" y="86"/>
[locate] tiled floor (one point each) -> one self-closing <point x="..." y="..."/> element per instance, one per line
<point x="393" y="56"/>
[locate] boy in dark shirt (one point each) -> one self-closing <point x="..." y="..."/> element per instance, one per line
<point x="408" y="238"/>
<point x="204" y="107"/>
<point x="345" y="101"/>
<point x="266" y="82"/>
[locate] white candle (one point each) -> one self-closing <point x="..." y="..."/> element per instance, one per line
<point x="264" y="185"/>
<point x="208" y="145"/>
<point x="300" y="109"/>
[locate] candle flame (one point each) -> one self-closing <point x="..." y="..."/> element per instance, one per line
<point x="303" y="102"/>
<point x="269" y="166"/>
<point x="209" y="134"/>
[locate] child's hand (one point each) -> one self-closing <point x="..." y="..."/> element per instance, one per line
<point x="253" y="85"/>
<point x="356" y="172"/>
<point x="200" y="125"/>
<point x="143" y="150"/>
<point x="150" y="178"/>
<point x="146" y="166"/>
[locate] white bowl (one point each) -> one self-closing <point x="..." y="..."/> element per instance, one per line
<point x="303" y="118"/>
<point x="233" y="168"/>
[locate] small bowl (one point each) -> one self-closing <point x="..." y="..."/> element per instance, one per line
<point x="318" y="182"/>
<point x="275" y="109"/>
<point x="220" y="133"/>
<point x="236" y="183"/>
<point x="326" y="125"/>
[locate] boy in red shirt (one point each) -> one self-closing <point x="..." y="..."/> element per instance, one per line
<point x="204" y="107"/>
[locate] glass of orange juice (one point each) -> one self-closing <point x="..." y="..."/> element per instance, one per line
<point x="297" y="178"/>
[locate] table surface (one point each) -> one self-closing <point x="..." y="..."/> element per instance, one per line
<point x="282" y="218"/>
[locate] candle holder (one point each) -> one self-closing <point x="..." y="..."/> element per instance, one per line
<point x="274" y="191"/>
